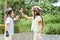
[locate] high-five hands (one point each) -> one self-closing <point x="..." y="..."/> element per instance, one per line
<point x="21" y="10"/>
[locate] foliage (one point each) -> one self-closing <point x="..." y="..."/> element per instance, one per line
<point x="2" y="28"/>
<point x="51" y="28"/>
<point x="50" y="14"/>
<point x="24" y="25"/>
<point x="1" y="11"/>
<point x="48" y="18"/>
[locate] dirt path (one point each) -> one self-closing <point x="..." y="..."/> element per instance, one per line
<point x="29" y="36"/>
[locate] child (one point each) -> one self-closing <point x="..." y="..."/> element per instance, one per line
<point x="9" y="24"/>
<point x="37" y="21"/>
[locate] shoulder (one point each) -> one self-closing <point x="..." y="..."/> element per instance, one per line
<point x="38" y="17"/>
<point x="8" y="18"/>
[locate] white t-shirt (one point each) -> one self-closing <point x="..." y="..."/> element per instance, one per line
<point x="10" y="23"/>
<point x="35" y="26"/>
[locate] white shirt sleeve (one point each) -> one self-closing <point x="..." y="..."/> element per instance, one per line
<point x="14" y="19"/>
<point x="38" y="19"/>
<point x="7" y="20"/>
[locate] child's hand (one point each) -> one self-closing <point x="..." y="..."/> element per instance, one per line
<point x="21" y="11"/>
<point x="7" y="34"/>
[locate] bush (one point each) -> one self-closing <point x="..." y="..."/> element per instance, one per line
<point x="51" y="24"/>
<point x="51" y="28"/>
<point x="48" y="18"/>
<point x="1" y="28"/>
<point x="25" y="25"/>
<point x="16" y="28"/>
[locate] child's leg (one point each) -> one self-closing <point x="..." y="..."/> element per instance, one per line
<point x="8" y="38"/>
<point x="35" y="36"/>
<point x="39" y="37"/>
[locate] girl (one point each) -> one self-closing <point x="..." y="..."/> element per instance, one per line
<point x="37" y="21"/>
<point x="9" y="24"/>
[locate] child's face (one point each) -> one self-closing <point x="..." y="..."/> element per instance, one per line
<point x="32" y="13"/>
<point x="12" y="14"/>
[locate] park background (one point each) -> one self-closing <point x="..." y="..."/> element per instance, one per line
<point x="50" y="15"/>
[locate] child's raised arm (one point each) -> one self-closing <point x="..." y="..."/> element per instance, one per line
<point x="16" y="18"/>
<point x="24" y="15"/>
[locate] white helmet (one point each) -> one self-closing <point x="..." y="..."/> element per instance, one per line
<point x="8" y="10"/>
<point x="36" y="8"/>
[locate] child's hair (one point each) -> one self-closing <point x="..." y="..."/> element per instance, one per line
<point x="38" y="14"/>
<point x="8" y="11"/>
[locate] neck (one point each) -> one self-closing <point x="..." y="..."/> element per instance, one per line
<point x="9" y="16"/>
<point x="36" y="15"/>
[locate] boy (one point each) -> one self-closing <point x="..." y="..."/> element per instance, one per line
<point x="9" y="24"/>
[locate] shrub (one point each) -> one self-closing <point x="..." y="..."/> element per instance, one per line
<point x="16" y="28"/>
<point x="51" y="28"/>
<point x="25" y="25"/>
<point x="48" y="18"/>
<point x="1" y="28"/>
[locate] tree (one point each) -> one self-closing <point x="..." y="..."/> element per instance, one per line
<point x="5" y="6"/>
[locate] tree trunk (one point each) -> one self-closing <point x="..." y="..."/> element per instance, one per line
<point x="5" y="6"/>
